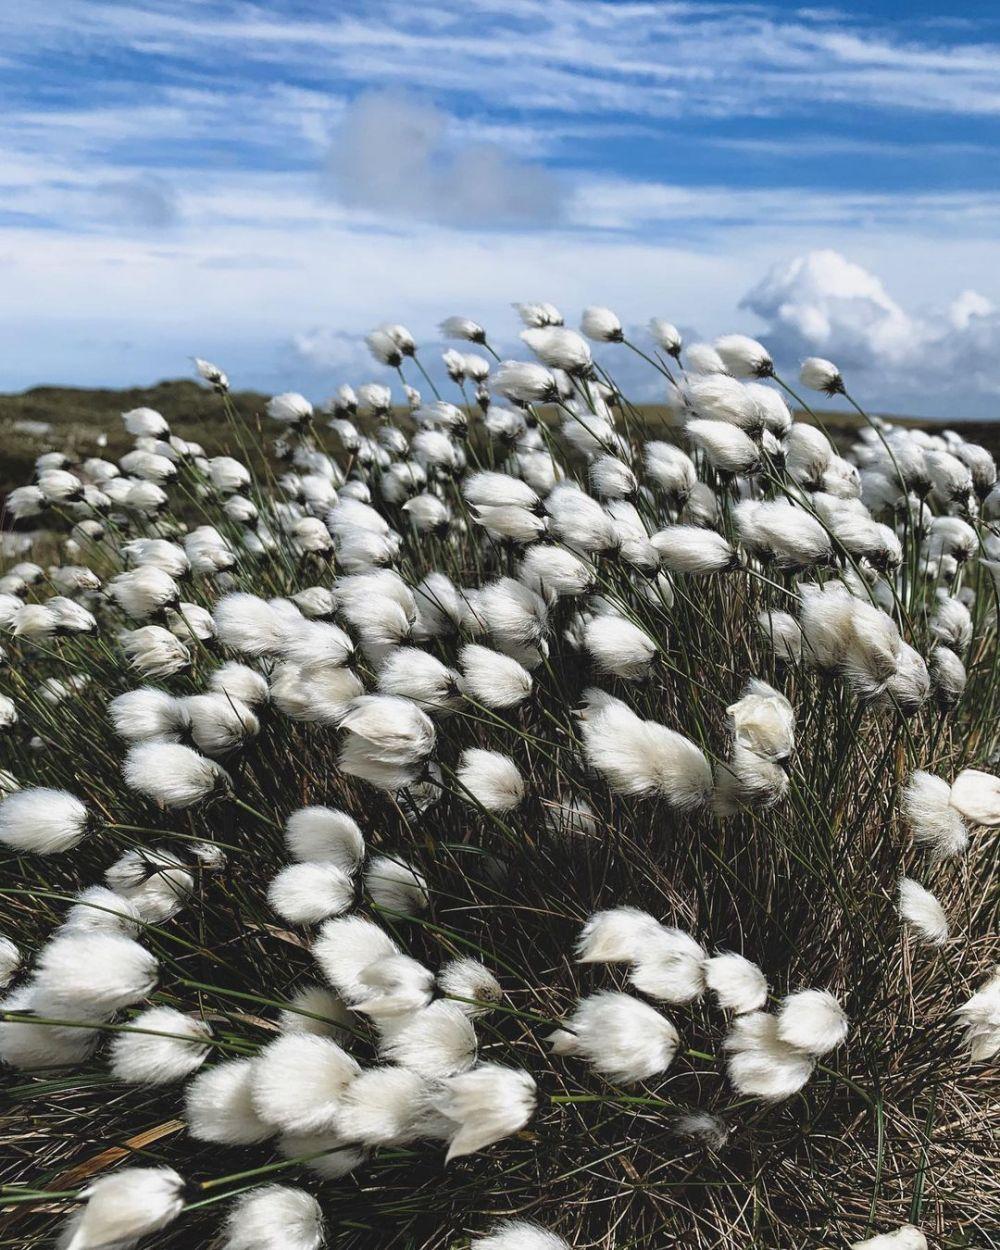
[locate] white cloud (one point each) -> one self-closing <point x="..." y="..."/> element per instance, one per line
<point x="400" y="156"/>
<point x="824" y="304"/>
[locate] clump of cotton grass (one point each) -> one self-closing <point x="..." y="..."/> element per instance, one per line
<point x="527" y="785"/>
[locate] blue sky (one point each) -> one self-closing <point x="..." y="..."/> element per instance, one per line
<point x="261" y="183"/>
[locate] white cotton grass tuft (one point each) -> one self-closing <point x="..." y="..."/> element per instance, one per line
<point x="760" y="1063"/>
<point x="154" y="880"/>
<point x="671" y="966"/>
<point x="42" y="820"/>
<point x="518" y="1235"/>
<point x="315" y="1009"/>
<point x="906" y="1237"/>
<point x="172" y="774"/>
<point x="325" y="834"/>
<point x="10" y="961"/>
<point x="100" y="971"/>
<point x="485" y="1105"/>
<point x="392" y="990"/>
<point x="492" y="779"/>
<point x="812" y="1021"/>
<point x="148" y="713"/>
<point x="274" y="1217"/>
<point x="738" y="984"/>
<point x="385" y="1106"/>
<point x="641" y="757"/>
<point x="922" y="912"/>
<point x="494" y="679"/>
<point x="345" y="947"/>
<point x="980" y="1016"/>
<point x="691" y="549"/>
<point x="933" y="822"/>
<point x="976" y="796"/>
<point x="308" y="893"/>
<point x="470" y="984"/>
<point x="437" y="1041"/>
<point x="97" y="907"/>
<point x="219" y="723"/>
<point x="123" y="1206"/>
<point x="298" y="1082"/>
<point x="621" y="1037"/>
<point x="618" y="935"/>
<point x="160" y="1045"/>
<point x="620" y="647"/>
<point x="240" y="682"/>
<point x="396" y="887"/>
<point x="219" y="1107"/>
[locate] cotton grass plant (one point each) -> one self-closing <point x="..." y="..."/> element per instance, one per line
<point x="503" y="824"/>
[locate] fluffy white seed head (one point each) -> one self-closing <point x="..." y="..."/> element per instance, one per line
<point x="618" y="646"/>
<point x="518" y="1235"/>
<point x="932" y="820"/>
<point x="154" y="651"/>
<point x="813" y="1021"/>
<point x="239" y="682"/>
<point x="644" y="758"/>
<point x="976" y="796"/>
<point x="308" y="893"/>
<point x="139" y="715"/>
<point x="671" y="966"/>
<point x="125" y="1205"/>
<point x="10" y="961"/>
<point x="315" y="1009"/>
<point x="906" y="1237"/>
<point x="166" y="1046"/>
<point x="618" y="935"/>
<point x="171" y="774"/>
<point x="486" y="1105"/>
<point x="219" y="723"/>
<point x="345" y="947"/>
<point x="494" y="679"/>
<point x="763" y="721"/>
<point x="738" y="984"/>
<point x="274" y="1217"/>
<point x="691" y="549"/>
<point x="42" y="820"/>
<point x="396" y="886"/>
<point x="821" y="375"/>
<point x="102" y="971"/>
<point x="299" y="1081"/>
<point x="744" y="357"/>
<point x="249" y="625"/>
<point x="219" y="1107"/>
<point x="726" y="446"/>
<point x="980" y="1016"/>
<point x="760" y="1063"/>
<point x="437" y="1041"/>
<point x="470" y="984"/>
<point x="385" y="1106"/>
<point x="322" y="833"/>
<point x="492" y="779"/>
<point x="620" y="1036"/>
<point x="922" y="912"/>
<point x="154" y="880"/>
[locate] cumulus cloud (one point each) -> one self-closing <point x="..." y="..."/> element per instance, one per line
<point x="145" y="201"/>
<point x="824" y="304"/>
<point x="323" y="349"/>
<point x="397" y="155"/>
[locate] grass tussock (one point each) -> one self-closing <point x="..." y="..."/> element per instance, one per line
<point x="475" y="828"/>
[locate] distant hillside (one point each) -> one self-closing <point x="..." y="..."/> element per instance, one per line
<point x="72" y="419"/>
